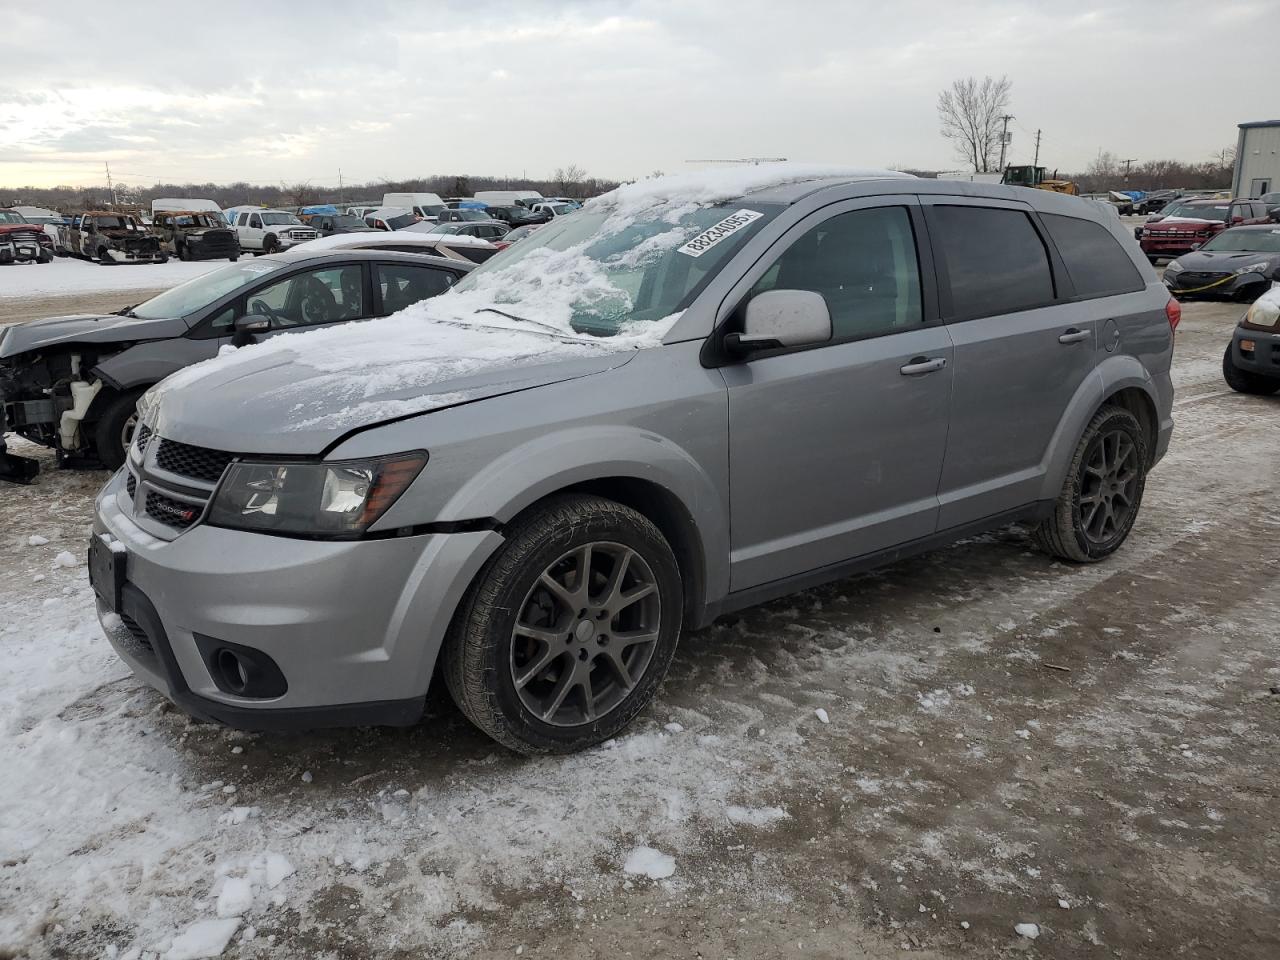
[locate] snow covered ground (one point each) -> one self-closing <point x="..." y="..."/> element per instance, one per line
<point x="908" y="763"/>
<point x="66" y="275"/>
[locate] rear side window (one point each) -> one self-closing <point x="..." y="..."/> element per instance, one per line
<point x="996" y="261"/>
<point x="1097" y="263"/>
<point x="404" y="285"/>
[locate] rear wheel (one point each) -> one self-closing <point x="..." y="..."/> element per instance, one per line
<point x="1100" y="499"/>
<point x="1246" y="381"/>
<point x="114" y="430"/>
<point x="569" y="629"/>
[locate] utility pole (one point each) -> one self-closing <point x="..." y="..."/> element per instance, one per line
<point x="1036" y="161"/>
<point x="110" y="189"/>
<point x="1127" y="165"/>
<point x="341" y="198"/>
<point x="1004" y="138"/>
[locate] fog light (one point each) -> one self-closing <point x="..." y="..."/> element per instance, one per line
<point x="1246" y="346"/>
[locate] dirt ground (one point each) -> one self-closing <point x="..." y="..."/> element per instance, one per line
<point x="1010" y="740"/>
<point x="33" y="308"/>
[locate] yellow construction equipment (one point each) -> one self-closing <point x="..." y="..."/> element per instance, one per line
<point x="1034" y="177"/>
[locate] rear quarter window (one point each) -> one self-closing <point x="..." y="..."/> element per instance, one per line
<point x="995" y="260"/>
<point x="1096" y="262"/>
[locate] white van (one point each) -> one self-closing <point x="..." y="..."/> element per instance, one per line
<point x="505" y="198"/>
<point x="425" y="205"/>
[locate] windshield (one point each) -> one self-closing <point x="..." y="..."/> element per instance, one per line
<point x="187" y="298"/>
<point x="1245" y="241"/>
<point x="470" y="215"/>
<point x="279" y="219"/>
<point x="197" y="220"/>
<point x="611" y="273"/>
<point x="402" y="221"/>
<point x="1197" y="212"/>
<point x="8" y="216"/>
<point x="115" y="223"/>
<point x="431" y="209"/>
<point x="349" y="223"/>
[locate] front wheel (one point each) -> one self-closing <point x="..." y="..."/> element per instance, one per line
<point x="1246" y="381"/>
<point x="104" y="258"/>
<point x="569" y="629"/>
<point x="1100" y="499"/>
<point x="114" y="431"/>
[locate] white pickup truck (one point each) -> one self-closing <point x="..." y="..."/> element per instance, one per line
<point x="267" y="231"/>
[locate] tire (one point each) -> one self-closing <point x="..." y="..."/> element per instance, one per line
<point x="112" y="427"/>
<point x="235" y="258"/>
<point x="182" y="252"/>
<point x="162" y="258"/>
<point x="1078" y="529"/>
<point x="269" y="245"/>
<point x="571" y="694"/>
<point x="1246" y="381"/>
<point x="104" y="258"/>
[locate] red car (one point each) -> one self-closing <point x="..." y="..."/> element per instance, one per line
<point x="1192" y="222"/>
<point x="21" y="241"/>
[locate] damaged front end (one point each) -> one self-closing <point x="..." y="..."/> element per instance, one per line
<point x="47" y="399"/>
<point x="128" y="247"/>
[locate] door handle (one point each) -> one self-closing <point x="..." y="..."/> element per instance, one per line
<point x="1075" y="336"/>
<point x="921" y="365"/>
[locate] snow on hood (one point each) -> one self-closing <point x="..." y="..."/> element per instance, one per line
<point x="418" y="359"/>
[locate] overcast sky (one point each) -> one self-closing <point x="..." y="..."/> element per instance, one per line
<point x="267" y="91"/>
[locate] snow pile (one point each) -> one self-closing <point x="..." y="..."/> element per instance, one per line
<point x="651" y="863"/>
<point x="204" y="938"/>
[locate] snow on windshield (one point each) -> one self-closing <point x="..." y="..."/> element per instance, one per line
<point x="574" y="289"/>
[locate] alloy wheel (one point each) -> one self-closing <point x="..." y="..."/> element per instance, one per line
<point x="585" y="634"/>
<point x="1109" y="486"/>
<point x="127" y="431"/>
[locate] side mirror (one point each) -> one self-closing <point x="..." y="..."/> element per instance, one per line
<point x="1274" y="213"/>
<point x="247" y="326"/>
<point x="1197" y="245"/>
<point x="781" y="318"/>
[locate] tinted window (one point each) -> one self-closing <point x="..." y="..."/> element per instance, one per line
<point x="996" y="262"/>
<point x="315" y="296"/>
<point x="864" y="265"/>
<point x="404" y="285"/>
<point x="1097" y="263"/>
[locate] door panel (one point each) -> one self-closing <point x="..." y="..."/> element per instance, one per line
<point x="834" y="450"/>
<point x="834" y="453"/>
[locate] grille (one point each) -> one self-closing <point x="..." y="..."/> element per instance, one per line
<point x="170" y="512"/>
<point x="303" y="234"/>
<point x="142" y="435"/>
<point x="139" y="635"/>
<point x="1190" y="279"/>
<point x="131" y="484"/>
<point x="199" y="463"/>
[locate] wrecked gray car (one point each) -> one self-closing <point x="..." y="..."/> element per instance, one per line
<point x="73" y="383"/>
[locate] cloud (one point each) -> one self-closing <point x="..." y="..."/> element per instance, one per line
<point x="619" y="88"/>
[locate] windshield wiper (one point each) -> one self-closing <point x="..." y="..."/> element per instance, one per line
<point x="512" y="316"/>
<point x="126" y="312"/>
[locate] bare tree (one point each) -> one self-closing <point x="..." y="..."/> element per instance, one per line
<point x="970" y="111"/>
<point x="569" y="179"/>
<point x="299" y="194"/>
<point x="1105" y="166"/>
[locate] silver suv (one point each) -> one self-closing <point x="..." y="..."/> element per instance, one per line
<point x="693" y="395"/>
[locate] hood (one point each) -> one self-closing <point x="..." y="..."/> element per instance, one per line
<point x="1223" y="261"/>
<point x="12" y="228"/>
<point x="286" y="400"/>
<point x="201" y="231"/>
<point x="1184" y="223"/>
<point x="52" y="331"/>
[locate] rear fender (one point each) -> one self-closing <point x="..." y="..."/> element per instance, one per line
<point x="1108" y="378"/>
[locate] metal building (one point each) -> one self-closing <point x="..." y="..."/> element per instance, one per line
<point x="1257" y="159"/>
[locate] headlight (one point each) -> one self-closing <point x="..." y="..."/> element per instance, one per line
<point x="1264" y="313"/>
<point x="1253" y="268"/>
<point x="1173" y="267"/>
<point x="325" y="500"/>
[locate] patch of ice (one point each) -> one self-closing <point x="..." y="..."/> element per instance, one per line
<point x="1028" y="930"/>
<point x="651" y="863"/>
<point x="755" y="816"/>
<point x="1064" y="904"/>
<point x="235" y="897"/>
<point x="66" y="559"/>
<point x="822" y="715"/>
<point x="673" y="727"/>
<point x="35" y="540"/>
<point x="202" y="939"/>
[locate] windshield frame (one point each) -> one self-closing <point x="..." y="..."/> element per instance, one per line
<point x="1186" y="211"/>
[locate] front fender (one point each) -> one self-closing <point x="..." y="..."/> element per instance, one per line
<point x="1116" y="373"/>
<point x="146" y="364"/>
<point x="545" y="464"/>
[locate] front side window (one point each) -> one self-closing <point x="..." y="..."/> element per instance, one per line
<point x="403" y="284"/>
<point x="864" y="265"/>
<point x="255" y="221"/>
<point x="311" y="297"/>
<point x="996" y="262"/>
<point x="1096" y="262"/>
<point x="187" y="298"/>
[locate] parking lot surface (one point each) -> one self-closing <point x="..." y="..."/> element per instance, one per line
<point x="906" y="763"/>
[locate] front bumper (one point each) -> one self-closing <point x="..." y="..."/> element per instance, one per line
<point x="1264" y="358"/>
<point x="1156" y="245"/>
<point x="1180" y="285"/>
<point x="135" y="256"/>
<point x="353" y="626"/>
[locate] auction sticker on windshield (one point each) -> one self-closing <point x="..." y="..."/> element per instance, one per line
<point x="725" y="228"/>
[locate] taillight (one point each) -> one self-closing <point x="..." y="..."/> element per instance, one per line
<point x="1173" y="310"/>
